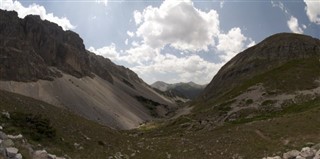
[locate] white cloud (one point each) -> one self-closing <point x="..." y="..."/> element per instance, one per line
<point x="184" y="28"/>
<point x="36" y="10"/>
<point x="107" y="51"/>
<point x="94" y="18"/>
<point x="137" y="17"/>
<point x="104" y="2"/>
<point x="280" y="5"/>
<point x="126" y="41"/>
<point x="222" y="3"/>
<point x="185" y="69"/>
<point x="304" y="26"/>
<point x="131" y="34"/>
<point x="252" y="43"/>
<point x="140" y="54"/>
<point x="294" y="25"/>
<point x="178" y="24"/>
<point x="134" y="43"/>
<point x="232" y="43"/>
<point x="313" y="11"/>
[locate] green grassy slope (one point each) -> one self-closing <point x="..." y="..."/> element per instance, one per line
<point x="184" y="137"/>
<point x="272" y="134"/>
<point x="292" y="76"/>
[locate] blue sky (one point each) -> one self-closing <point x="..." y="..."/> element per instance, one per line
<point x="174" y="40"/>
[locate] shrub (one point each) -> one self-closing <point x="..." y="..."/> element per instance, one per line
<point x="35" y="126"/>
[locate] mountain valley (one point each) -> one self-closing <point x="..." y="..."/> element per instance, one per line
<point x="264" y="102"/>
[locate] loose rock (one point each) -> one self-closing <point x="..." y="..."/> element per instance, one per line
<point x="11" y="152"/>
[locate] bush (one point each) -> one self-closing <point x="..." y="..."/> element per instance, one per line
<point x="249" y="101"/>
<point x="35" y="126"/>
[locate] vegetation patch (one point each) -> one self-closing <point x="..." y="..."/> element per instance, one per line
<point x="249" y="101"/>
<point x="294" y="75"/>
<point x="35" y="126"/>
<point x="225" y="107"/>
<point x="150" y="104"/>
<point x="290" y="109"/>
<point x="128" y="83"/>
<point x="268" y="102"/>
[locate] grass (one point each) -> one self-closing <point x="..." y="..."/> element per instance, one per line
<point x="268" y="102"/>
<point x="291" y="109"/>
<point x="58" y="128"/>
<point x="297" y="123"/>
<point x="287" y="78"/>
<point x="34" y="126"/>
<point x="249" y="101"/>
<point x="128" y="83"/>
<point x="150" y="104"/>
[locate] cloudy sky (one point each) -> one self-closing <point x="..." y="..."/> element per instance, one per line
<point x="174" y="40"/>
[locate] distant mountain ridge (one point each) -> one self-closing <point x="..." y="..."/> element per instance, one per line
<point x="188" y="90"/>
<point x="40" y="60"/>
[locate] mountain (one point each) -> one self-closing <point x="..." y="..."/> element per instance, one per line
<point x="40" y="60"/>
<point x="188" y="90"/>
<point x="281" y="70"/>
<point x="265" y="99"/>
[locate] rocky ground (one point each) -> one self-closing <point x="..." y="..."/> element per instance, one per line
<point x="312" y="152"/>
<point x="11" y="146"/>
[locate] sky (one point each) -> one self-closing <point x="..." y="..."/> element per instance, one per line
<point x="174" y="40"/>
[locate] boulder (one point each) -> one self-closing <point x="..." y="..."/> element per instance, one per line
<point x="3" y="136"/>
<point x="15" y="136"/>
<point x="18" y="156"/>
<point x="291" y="154"/>
<point x="300" y="157"/>
<point x="317" y="155"/>
<point x="276" y="157"/>
<point x="51" y="156"/>
<point x="7" y="143"/>
<point x="11" y="152"/>
<point x="307" y="152"/>
<point x="40" y="154"/>
<point x="316" y="147"/>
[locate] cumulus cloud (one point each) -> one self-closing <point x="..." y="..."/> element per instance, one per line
<point x="222" y="3"/>
<point x="181" y="28"/>
<point x="313" y="11"/>
<point x="294" y="25"/>
<point x="104" y="2"/>
<point x="106" y="51"/>
<point x="131" y="34"/>
<point x="178" y="24"/>
<point x="36" y="9"/>
<point x="137" y="17"/>
<point x="140" y="54"/>
<point x="280" y="5"/>
<point x="232" y="43"/>
<point x="185" y="69"/>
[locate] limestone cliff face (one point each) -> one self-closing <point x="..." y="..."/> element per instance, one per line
<point x="268" y="54"/>
<point x="30" y="46"/>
